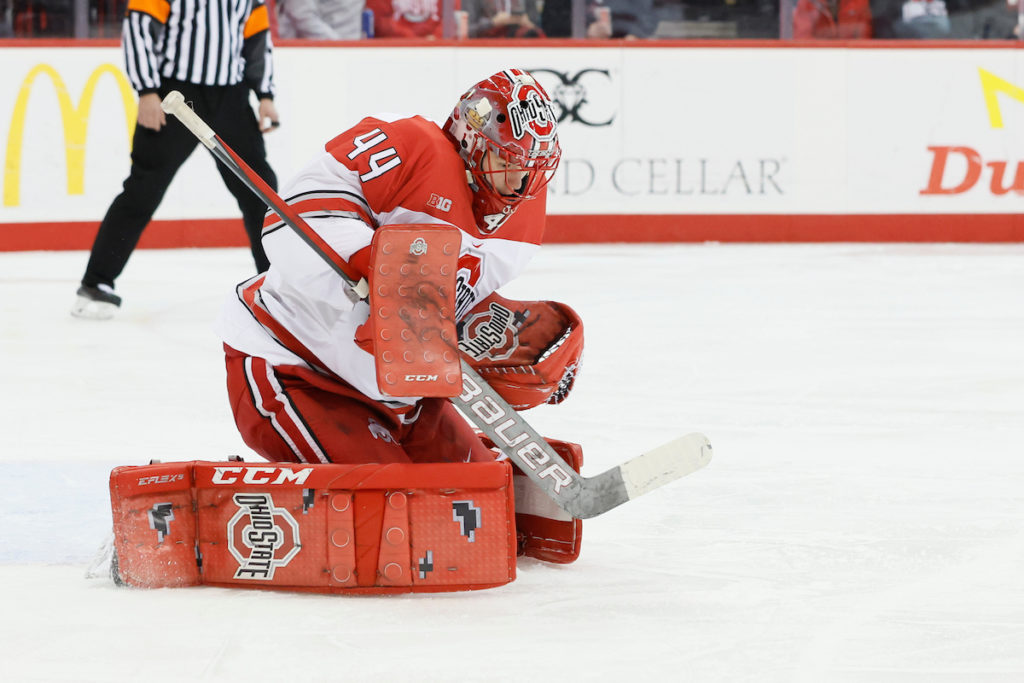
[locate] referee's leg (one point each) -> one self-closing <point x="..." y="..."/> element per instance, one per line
<point x="156" y="157"/>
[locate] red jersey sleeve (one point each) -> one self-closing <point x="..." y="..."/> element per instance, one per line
<point x="408" y="171"/>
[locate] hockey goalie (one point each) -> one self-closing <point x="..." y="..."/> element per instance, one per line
<point x="375" y="482"/>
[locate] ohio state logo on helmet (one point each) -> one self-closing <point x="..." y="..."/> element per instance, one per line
<point x="531" y="113"/>
<point x="261" y="537"/>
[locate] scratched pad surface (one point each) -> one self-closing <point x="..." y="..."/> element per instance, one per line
<point x="412" y="310"/>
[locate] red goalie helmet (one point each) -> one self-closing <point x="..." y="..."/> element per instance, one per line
<point x="510" y="115"/>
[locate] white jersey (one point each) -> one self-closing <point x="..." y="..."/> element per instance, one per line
<point x="381" y="172"/>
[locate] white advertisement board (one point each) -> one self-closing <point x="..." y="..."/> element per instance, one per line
<point x="645" y="130"/>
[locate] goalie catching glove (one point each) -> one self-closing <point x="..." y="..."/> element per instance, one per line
<point x="528" y="351"/>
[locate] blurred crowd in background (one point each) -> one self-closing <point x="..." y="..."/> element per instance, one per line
<point x="579" y="19"/>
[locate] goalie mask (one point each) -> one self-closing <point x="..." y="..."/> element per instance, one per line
<point x="528" y="351"/>
<point x="507" y="134"/>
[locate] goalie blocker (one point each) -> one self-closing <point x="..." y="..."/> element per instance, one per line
<point x="392" y="528"/>
<point x="528" y="351"/>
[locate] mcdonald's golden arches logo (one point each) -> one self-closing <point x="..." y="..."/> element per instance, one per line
<point x="76" y="125"/>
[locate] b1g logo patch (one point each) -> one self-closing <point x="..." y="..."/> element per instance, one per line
<point x="440" y="203"/>
<point x="261" y="537"/>
<point x="493" y="335"/>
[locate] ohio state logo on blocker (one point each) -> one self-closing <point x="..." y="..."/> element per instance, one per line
<point x="261" y="537"/>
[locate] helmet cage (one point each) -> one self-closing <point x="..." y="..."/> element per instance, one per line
<point x="538" y="171"/>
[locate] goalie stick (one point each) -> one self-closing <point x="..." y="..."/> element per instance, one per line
<point x="582" y="497"/>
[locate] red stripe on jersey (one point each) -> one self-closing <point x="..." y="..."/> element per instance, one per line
<point x="307" y="206"/>
<point x="269" y="323"/>
<point x="281" y="415"/>
<point x="264" y="318"/>
<point x="307" y="233"/>
<point x="333" y="204"/>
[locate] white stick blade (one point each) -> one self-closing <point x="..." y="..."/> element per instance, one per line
<point x="665" y="463"/>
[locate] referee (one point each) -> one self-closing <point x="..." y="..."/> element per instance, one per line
<point x="214" y="52"/>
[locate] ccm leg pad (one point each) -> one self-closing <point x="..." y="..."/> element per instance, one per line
<point x="395" y="528"/>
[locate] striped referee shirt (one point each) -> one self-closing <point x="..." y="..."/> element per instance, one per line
<point x="206" y="42"/>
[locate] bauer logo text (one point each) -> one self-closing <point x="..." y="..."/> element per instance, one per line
<point x="513" y="435"/>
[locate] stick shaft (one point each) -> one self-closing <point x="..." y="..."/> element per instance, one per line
<point x="175" y="105"/>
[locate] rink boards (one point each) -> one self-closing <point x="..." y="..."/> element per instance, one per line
<point x="662" y="143"/>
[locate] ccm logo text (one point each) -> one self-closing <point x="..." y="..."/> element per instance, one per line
<point x="260" y="475"/>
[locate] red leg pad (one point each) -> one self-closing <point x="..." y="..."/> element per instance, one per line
<point x="155" y="525"/>
<point x="393" y="528"/>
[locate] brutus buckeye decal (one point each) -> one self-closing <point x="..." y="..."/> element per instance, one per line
<point x="491" y="335"/>
<point x="261" y="537"/>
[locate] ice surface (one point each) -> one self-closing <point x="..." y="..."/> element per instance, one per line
<point x="863" y="519"/>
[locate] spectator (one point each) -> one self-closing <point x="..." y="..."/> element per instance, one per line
<point x="926" y="19"/>
<point x="991" y="20"/>
<point x="406" y="18"/>
<point x="556" y="18"/>
<point x="842" y="19"/>
<point x="628" y="20"/>
<point x="320" y="19"/>
<point x="41" y="18"/>
<point x="923" y="19"/>
<point x="6" y="19"/>
<point x="503" y="19"/>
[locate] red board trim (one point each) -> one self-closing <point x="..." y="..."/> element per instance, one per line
<point x="580" y="229"/>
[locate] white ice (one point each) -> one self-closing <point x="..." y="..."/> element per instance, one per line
<point x="863" y="518"/>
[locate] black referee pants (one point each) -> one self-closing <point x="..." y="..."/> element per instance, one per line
<point x="156" y="158"/>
